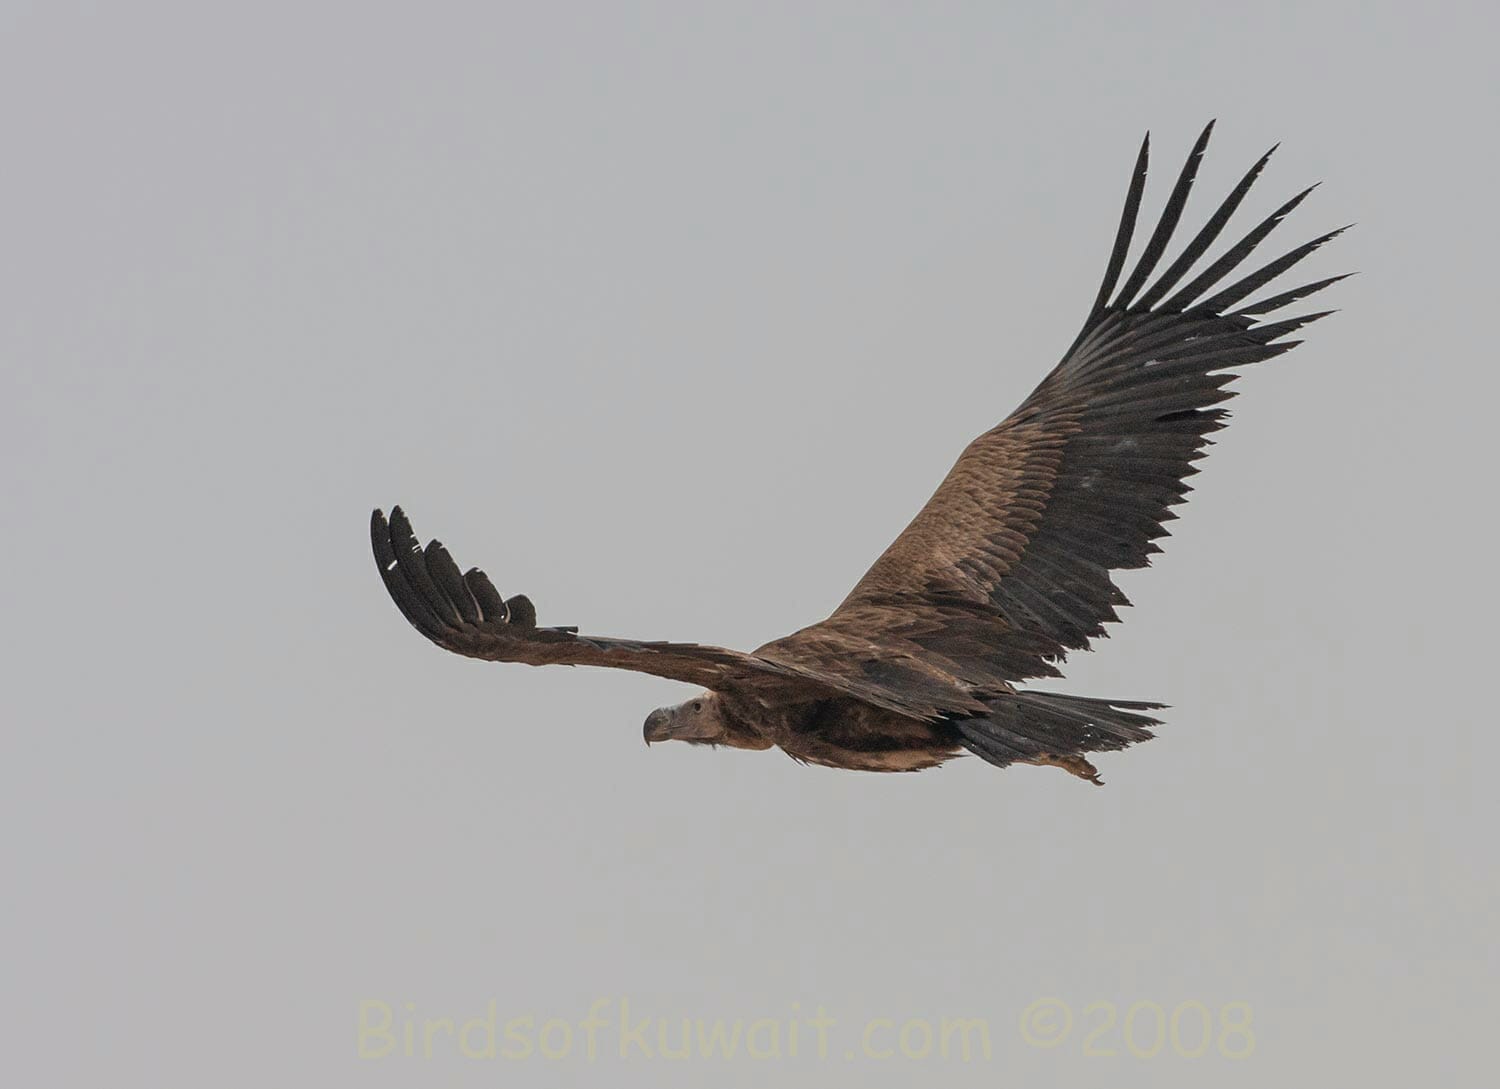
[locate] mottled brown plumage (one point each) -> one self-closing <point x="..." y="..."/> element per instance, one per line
<point x="1005" y="570"/>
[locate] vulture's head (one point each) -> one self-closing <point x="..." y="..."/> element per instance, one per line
<point x="702" y="721"/>
<point x="699" y="720"/>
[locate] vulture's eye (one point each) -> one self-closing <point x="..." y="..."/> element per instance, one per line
<point x="697" y="705"/>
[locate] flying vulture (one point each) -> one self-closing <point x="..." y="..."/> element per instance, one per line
<point x="1005" y="570"/>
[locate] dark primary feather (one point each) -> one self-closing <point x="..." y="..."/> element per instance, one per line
<point x="1206" y="236"/>
<point x="1168" y="222"/>
<point x="1127" y="224"/>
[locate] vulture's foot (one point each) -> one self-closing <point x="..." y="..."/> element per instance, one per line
<point x="1071" y="763"/>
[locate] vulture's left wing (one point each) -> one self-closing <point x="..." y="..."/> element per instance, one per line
<point x="1008" y="565"/>
<point x="464" y="613"/>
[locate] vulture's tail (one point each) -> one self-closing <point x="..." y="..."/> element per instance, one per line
<point x="1051" y="728"/>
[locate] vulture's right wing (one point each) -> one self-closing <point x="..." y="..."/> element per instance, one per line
<point x="1007" y="567"/>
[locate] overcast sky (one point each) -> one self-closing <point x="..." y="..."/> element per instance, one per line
<point x="670" y="316"/>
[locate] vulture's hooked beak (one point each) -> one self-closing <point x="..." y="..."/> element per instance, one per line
<point x="658" y="725"/>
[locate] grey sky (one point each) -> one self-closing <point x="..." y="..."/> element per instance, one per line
<point x="671" y="316"/>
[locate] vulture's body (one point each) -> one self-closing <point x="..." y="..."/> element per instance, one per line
<point x="1005" y="570"/>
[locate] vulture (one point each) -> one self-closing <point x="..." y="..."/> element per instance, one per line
<point x="1004" y="571"/>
